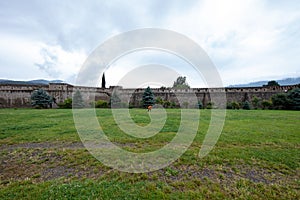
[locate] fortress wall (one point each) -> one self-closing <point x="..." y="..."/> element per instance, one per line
<point x="19" y="95"/>
<point x="16" y="96"/>
<point x="247" y="94"/>
<point x="63" y="91"/>
<point x="91" y="94"/>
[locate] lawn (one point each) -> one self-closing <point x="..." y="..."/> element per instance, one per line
<point x="256" y="157"/>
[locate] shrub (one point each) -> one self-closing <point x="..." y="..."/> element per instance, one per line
<point x="235" y="105"/>
<point x="229" y="105"/>
<point x="256" y="102"/>
<point x="173" y="105"/>
<point x="199" y="105"/>
<point x="159" y="100"/>
<point x="246" y="105"/>
<point x="166" y="104"/>
<point x="210" y="105"/>
<point x="101" y="104"/>
<point x="280" y="101"/>
<point x="290" y="101"/>
<point x="266" y="104"/>
<point x="66" y="104"/>
<point x="293" y="97"/>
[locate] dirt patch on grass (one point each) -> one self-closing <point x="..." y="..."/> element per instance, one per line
<point x="43" y="145"/>
<point x="226" y="175"/>
<point x="54" y="160"/>
<point x="60" y="145"/>
<point x="47" y="164"/>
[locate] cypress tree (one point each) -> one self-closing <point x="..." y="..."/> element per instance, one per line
<point x="103" y="81"/>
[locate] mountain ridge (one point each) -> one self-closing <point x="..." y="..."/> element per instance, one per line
<point x="286" y="81"/>
<point x="31" y="82"/>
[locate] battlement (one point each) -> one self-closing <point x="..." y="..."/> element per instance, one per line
<point x="18" y="95"/>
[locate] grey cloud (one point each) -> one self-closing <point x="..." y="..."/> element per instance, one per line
<point x="83" y="25"/>
<point x="49" y="63"/>
<point x="79" y="24"/>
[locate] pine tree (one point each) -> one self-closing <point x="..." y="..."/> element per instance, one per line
<point x="148" y="97"/>
<point x="103" y="81"/>
<point x="77" y="101"/>
<point x="40" y="99"/>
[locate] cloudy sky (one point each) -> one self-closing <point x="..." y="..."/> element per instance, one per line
<point x="247" y="40"/>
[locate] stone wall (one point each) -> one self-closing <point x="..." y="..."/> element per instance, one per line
<point x="17" y="96"/>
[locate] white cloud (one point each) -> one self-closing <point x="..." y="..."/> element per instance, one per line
<point x="25" y="59"/>
<point x="247" y="40"/>
<point x="120" y="72"/>
<point x="59" y="63"/>
<point x="17" y="57"/>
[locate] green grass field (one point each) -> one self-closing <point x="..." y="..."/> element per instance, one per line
<point x="256" y="157"/>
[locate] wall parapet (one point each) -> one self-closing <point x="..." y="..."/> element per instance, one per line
<point x="18" y="95"/>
